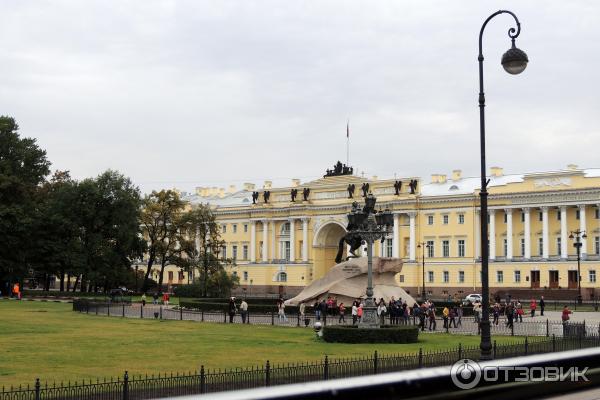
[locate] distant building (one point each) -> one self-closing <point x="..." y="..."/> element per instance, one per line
<point x="280" y="246"/>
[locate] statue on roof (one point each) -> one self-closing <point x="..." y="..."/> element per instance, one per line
<point x="351" y="188"/>
<point x="365" y="189"/>
<point x="293" y="194"/>
<point x="266" y="196"/>
<point x="305" y="193"/>
<point x="413" y="186"/>
<point x="339" y="169"/>
<point x="254" y="197"/>
<point x="397" y="187"/>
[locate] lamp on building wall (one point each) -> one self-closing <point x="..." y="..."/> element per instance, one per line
<point x="577" y="236"/>
<point x="370" y="226"/>
<point x="514" y="62"/>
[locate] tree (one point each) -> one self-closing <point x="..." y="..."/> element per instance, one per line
<point x="160" y="219"/>
<point x="23" y="167"/>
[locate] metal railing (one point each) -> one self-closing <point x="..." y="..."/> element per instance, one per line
<point x="438" y="383"/>
<point x="211" y="381"/>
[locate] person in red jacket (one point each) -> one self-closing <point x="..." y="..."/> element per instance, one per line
<point x="532" y="307"/>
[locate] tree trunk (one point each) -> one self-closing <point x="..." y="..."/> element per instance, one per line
<point x="68" y="282"/>
<point x="62" y="281"/>
<point x="76" y="282"/>
<point x="148" y="270"/>
<point x="162" y="271"/>
<point x="47" y="282"/>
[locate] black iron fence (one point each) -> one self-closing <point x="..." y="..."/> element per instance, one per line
<point x="465" y="326"/>
<point x="211" y="381"/>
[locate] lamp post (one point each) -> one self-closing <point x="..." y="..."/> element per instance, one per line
<point x="514" y="62"/>
<point x="577" y="236"/>
<point x="425" y="246"/>
<point x="369" y="225"/>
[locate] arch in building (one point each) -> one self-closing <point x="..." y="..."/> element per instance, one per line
<point x="325" y="246"/>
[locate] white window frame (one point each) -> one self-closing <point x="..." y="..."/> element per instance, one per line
<point x="461" y="247"/>
<point x="499" y="276"/>
<point x="445" y="248"/>
<point x="461" y="219"/>
<point x="430" y="220"/>
<point x="446" y="277"/>
<point x="445" y="219"/>
<point x="517" y="276"/>
<point x="461" y="276"/>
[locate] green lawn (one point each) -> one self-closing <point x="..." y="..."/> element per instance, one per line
<point x="49" y="341"/>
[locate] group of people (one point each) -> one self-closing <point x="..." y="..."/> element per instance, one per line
<point x="165" y="298"/>
<point x="232" y="309"/>
<point x="513" y="310"/>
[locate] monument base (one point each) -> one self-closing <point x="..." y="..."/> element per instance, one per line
<point x="370" y="319"/>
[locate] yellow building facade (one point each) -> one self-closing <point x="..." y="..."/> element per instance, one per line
<point x="280" y="245"/>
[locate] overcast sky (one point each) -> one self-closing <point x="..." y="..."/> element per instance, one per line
<point x="212" y="93"/>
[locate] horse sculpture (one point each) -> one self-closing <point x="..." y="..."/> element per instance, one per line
<point x="352" y="239"/>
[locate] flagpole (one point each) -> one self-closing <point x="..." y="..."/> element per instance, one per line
<point x="348" y="142"/>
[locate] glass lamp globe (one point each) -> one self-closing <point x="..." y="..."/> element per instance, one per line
<point x="514" y="60"/>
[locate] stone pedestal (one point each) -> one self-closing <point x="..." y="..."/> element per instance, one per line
<point x="369" y="319"/>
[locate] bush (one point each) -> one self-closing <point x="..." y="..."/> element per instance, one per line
<point x="216" y="305"/>
<point x="385" y="334"/>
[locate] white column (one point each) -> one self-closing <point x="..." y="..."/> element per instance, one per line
<point x="564" y="239"/>
<point x="492" y="234"/>
<point x="509" y="234"/>
<point x="412" y="237"/>
<point x="545" y="235"/>
<point x="273" y="243"/>
<point x="252" y="241"/>
<point x="527" y="232"/>
<point x="396" y="239"/>
<point x="582" y="228"/>
<point x="477" y="234"/>
<point x="292" y="241"/>
<point x="265" y="251"/>
<point x="305" y="239"/>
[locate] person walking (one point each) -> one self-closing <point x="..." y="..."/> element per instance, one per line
<point x="359" y="312"/>
<point x="244" y="311"/>
<point x="542" y="306"/>
<point x="510" y="315"/>
<point x="155" y="298"/>
<point x="532" y="307"/>
<point x="445" y="314"/>
<point x="354" y="313"/>
<point x="459" y="314"/>
<point x="381" y="310"/>
<point x="302" y="310"/>
<point x="565" y="314"/>
<point x="143" y="299"/>
<point x="431" y="314"/>
<point x="496" y="313"/>
<point x="165" y="298"/>
<point x="281" y="311"/>
<point x="341" y="310"/>
<point x="232" y="309"/>
<point x="317" y="309"/>
<point x="520" y="312"/>
<point x="452" y="317"/>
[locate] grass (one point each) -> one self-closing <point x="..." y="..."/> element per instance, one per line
<point x="49" y="341"/>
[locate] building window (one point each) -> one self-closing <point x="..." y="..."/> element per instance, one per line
<point x="301" y="244"/>
<point x="522" y="216"/>
<point x="505" y="244"/>
<point x="592" y="275"/>
<point x="597" y="244"/>
<point x="245" y="275"/>
<point x="430" y="249"/>
<point x="388" y="247"/>
<point x="597" y="213"/>
<point x="285" y="250"/>
<point x="430" y="276"/>
<point x="224" y="228"/>
<point x="245" y="252"/>
<point x="577" y="214"/>
<point x="446" y="276"/>
<point x="430" y="220"/>
<point x="234" y="227"/>
<point x="540" y="216"/>
<point x="234" y="252"/>
<point x="499" y="276"/>
<point x="461" y="247"/>
<point x="522" y="247"/>
<point x="517" y="276"/>
<point x="170" y="276"/>
<point x="260" y="249"/>
<point x="445" y="248"/>
<point x="461" y="218"/>
<point x="559" y="246"/>
<point x="461" y="276"/>
<point x="224" y="252"/>
<point x="285" y="229"/>
<point x="505" y="218"/>
<point x="541" y="246"/>
<point x="445" y="219"/>
<point x="401" y="278"/>
<point x="245" y="228"/>
<point x="282" y="277"/>
<point x="558" y="216"/>
<point x="180" y="276"/>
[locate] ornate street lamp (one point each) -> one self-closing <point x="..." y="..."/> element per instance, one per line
<point x="514" y="62"/>
<point x="425" y="246"/>
<point x="577" y="236"/>
<point x="370" y="226"/>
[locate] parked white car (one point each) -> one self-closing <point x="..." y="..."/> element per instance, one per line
<point x="472" y="298"/>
